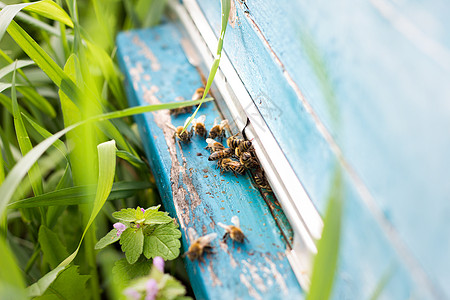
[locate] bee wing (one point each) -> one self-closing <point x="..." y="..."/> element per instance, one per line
<point x="235" y="221"/>
<point x="192" y="234"/>
<point x="224" y="123"/>
<point x="201" y="119"/>
<point x="210" y="142"/>
<point x="187" y="120"/>
<point x="222" y="225"/>
<point x="215" y="121"/>
<point x="206" y="239"/>
<point x="232" y="163"/>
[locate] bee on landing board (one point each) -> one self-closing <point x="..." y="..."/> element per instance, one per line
<point x="214" y="146"/>
<point x="247" y="160"/>
<point x="218" y="130"/>
<point x="261" y="181"/>
<point x="198" y="94"/>
<point x="199" y="245"/>
<point x="227" y="152"/>
<point x="227" y="164"/>
<point x="199" y="126"/>
<point x="233" y="231"/>
<point x="178" y="132"/>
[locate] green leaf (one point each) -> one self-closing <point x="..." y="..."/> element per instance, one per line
<point x="69" y="285"/>
<point x="163" y="241"/>
<point x="107" y="165"/>
<point x="126" y="215"/>
<point x="131" y="159"/>
<point x="153" y="217"/>
<point x="80" y="195"/>
<point x="172" y="288"/>
<point x="132" y="242"/>
<point x="12" y="285"/>
<point x="11" y="67"/>
<point x="50" y="10"/>
<point x="37" y="100"/>
<point x="110" y="238"/>
<point x="53" y="250"/>
<point x="44" y="61"/>
<point x="123" y="271"/>
<point x="24" y="141"/>
<point x="325" y="262"/>
<point x="7" y="14"/>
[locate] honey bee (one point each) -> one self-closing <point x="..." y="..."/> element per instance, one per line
<point x="261" y="180"/>
<point x="178" y="132"/>
<point x="247" y="160"/>
<point x="218" y="130"/>
<point x="199" y="126"/>
<point x="198" y="94"/>
<point x="233" y="141"/>
<point x="227" y="164"/>
<point x="199" y="244"/>
<point x="233" y="231"/>
<point x="213" y="145"/>
<point x="227" y="152"/>
<point x="243" y="147"/>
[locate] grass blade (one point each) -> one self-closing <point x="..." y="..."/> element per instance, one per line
<point x="24" y="141"/>
<point x="7" y="14"/>
<point x="10" y="68"/>
<point x="226" y="6"/>
<point x="325" y="262"/>
<point x="80" y="195"/>
<point x="44" y="61"/>
<point x="107" y="166"/>
<point x="50" y="10"/>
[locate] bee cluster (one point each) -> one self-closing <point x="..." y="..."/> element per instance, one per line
<point x="238" y="157"/>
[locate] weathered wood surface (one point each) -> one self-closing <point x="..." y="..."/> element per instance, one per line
<point x="366" y="85"/>
<point x="192" y="189"/>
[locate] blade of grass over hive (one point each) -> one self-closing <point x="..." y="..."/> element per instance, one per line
<point x="106" y="167"/>
<point x="226" y="6"/>
<point x="80" y="195"/>
<point x="24" y="141"/>
<point x="22" y="166"/>
<point x="325" y="262"/>
<point x="382" y="283"/>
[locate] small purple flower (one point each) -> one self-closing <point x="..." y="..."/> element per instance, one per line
<point x="158" y="262"/>
<point x="143" y="210"/>
<point x="120" y="228"/>
<point x="132" y="294"/>
<point x="151" y="288"/>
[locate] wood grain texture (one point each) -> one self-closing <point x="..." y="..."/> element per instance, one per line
<point x="375" y="75"/>
<point x="192" y="189"/>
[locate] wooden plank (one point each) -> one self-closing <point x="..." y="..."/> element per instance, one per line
<point x="192" y="189"/>
<point x="364" y="71"/>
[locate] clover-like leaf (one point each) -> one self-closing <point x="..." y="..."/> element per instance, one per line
<point x="171" y="289"/>
<point x="126" y="215"/>
<point x="124" y="272"/>
<point x="108" y="239"/>
<point x="153" y="217"/>
<point x="163" y="241"/>
<point x="132" y="242"/>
